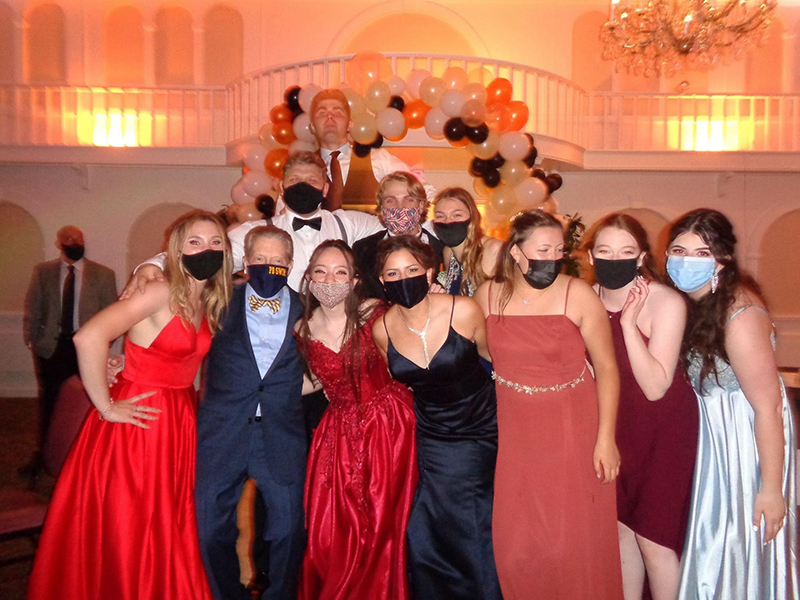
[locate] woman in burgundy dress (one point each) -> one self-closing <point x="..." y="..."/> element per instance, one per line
<point x="554" y="525"/>
<point x="657" y="425"/>
<point x="122" y="520"/>
<point x="362" y="463"/>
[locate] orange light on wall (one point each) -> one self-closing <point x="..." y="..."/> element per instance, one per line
<point x="716" y="135"/>
<point x="117" y="129"/>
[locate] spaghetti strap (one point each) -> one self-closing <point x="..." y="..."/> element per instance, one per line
<point x="566" y="297"/>
<point x="489" y="299"/>
<point x="386" y="329"/>
<point x="744" y="308"/>
<point x="452" y="310"/>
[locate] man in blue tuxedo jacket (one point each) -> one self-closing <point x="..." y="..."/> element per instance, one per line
<point x="250" y="423"/>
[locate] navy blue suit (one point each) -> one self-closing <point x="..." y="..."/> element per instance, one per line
<point x="232" y="446"/>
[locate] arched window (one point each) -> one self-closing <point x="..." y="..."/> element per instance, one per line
<point x="22" y="245"/>
<point x="124" y="41"/>
<point x="407" y="31"/>
<point x="223" y="45"/>
<point x="44" y="45"/>
<point x="7" y="50"/>
<point x="779" y="265"/>
<point x="174" y="42"/>
<point x="764" y="66"/>
<point x="589" y="70"/>
<point x="147" y="235"/>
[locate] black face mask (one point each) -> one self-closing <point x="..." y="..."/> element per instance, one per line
<point x="407" y="292"/>
<point x="451" y="234"/>
<point x="302" y="198"/>
<point x="267" y="280"/>
<point x="73" y="252"/>
<point x="542" y="273"/>
<point x="615" y="274"/>
<point x="203" y="265"/>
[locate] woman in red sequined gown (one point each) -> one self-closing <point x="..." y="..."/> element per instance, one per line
<point x="555" y="521"/>
<point x="361" y="472"/>
<point x="121" y="523"/>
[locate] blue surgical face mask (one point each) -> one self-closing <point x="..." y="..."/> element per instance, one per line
<point x="690" y="273"/>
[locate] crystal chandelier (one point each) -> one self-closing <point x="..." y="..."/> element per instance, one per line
<point x="650" y="37"/>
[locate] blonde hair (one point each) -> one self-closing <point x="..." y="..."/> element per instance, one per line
<point x="415" y="189"/>
<point x="472" y="258"/>
<point x="216" y="290"/>
<point x="267" y="232"/>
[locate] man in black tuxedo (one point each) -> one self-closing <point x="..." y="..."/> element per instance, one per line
<point x="401" y="207"/>
<point x="250" y="423"/>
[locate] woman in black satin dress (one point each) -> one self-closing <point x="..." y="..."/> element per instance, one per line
<point x="432" y="343"/>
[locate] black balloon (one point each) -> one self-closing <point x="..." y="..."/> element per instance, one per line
<point x="361" y="150"/>
<point x="530" y="158"/>
<point x="553" y="182"/>
<point x="479" y="167"/>
<point x="478" y="134"/>
<point x="455" y="129"/>
<point x="266" y="205"/>
<point x="530" y="138"/>
<point x="492" y="178"/>
<point x="378" y="142"/>
<point x="539" y="174"/>
<point x="398" y="103"/>
<point x="292" y="98"/>
<point x="497" y="161"/>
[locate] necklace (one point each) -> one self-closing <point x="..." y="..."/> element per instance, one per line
<point x="421" y="333"/>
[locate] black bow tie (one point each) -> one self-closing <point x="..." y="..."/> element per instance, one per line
<point x="315" y="223"/>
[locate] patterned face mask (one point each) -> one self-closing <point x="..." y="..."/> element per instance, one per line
<point x="329" y="294"/>
<point x="401" y="220"/>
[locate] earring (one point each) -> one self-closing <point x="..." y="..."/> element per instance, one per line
<point x="714" y="282"/>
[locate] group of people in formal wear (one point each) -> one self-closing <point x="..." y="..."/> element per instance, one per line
<point x="490" y="426"/>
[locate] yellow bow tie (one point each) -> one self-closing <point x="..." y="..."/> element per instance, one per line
<point x="256" y="303"/>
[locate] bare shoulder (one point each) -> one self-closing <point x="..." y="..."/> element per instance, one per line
<point x="155" y="293"/>
<point x="491" y="244"/>
<point x="467" y="307"/>
<point x="379" y="331"/>
<point x="481" y="295"/>
<point x="664" y="298"/>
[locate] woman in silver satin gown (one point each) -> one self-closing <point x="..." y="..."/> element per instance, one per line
<point x="741" y="543"/>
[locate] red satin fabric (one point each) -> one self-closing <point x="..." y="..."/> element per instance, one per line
<point x="360" y="480"/>
<point x="122" y="522"/>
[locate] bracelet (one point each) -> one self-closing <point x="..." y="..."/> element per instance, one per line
<point x="100" y="413"/>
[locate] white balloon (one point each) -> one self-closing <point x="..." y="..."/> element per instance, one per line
<point x="238" y="195"/>
<point x="452" y="102"/>
<point x="254" y="155"/>
<point x="413" y="80"/>
<point x="514" y="145"/>
<point x="434" y="123"/>
<point x="301" y="128"/>
<point x="256" y="183"/>
<point x="531" y="193"/>
<point x="396" y="85"/>
<point x="391" y="122"/>
<point x="302" y="146"/>
<point x="306" y="95"/>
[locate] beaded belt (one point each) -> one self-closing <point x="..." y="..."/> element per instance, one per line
<point x="533" y="389"/>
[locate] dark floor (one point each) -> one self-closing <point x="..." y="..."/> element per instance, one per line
<point x="18" y="419"/>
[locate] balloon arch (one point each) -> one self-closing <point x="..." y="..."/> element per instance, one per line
<point x="470" y="110"/>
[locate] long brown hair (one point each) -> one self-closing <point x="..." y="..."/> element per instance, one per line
<point x="472" y="258"/>
<point x="216" y="290"/>
<point x="523" y="225"/>
<point x="632" y="226"/>
<point x="704" y="335"/>
<point x="356" y="314"/>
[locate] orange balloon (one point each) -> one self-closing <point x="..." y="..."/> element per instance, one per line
<point x="245" y="169"/>
<point x="498" y="117"/>
<point x="518" y="113"/>
<point x="275" y="160"/>
<point x="414" y="112"/>
<point x="280" y="113"/>
<point x="283" y="133"/>
<point x="462" y="143"/>
<point x="499" y="91"/>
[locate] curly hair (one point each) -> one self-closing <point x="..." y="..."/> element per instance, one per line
<point x="630" y="225"/>
<point x="216" y="290"/>
<point x="704" y="335"/>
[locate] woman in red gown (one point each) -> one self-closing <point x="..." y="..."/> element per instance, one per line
<point x="555" y="521"/>
<point x="121" y="523"/>
<point x="361" y="472"/>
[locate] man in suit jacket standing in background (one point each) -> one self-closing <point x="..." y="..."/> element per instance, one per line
<point x="63" y="295"/>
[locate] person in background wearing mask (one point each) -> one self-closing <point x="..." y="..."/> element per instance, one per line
<point x="250" y="422"/>
<point x="354" y="179"/>
<point x="402" y="208"/>
<point x="470" y="257"/>
<point x="657" y="424"/>
<point x="555" y="516"/>
<point x="63" y="295"/>
<point x="742" y="536"/>
<point x="431" y="342"/>
<point x="121" y="523"/>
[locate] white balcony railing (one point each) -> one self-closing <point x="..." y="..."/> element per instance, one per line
<point x="82" y="116"/>
<point x="559" y="109"/>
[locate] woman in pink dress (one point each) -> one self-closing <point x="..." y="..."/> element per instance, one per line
<point x="555" y="521"/>
<point x="362" y="470"/>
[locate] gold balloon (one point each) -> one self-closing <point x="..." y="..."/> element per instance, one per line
<point x="431" y="90"/>
<point x="513" y="172"/>
<point x="364" y="129"/>
<point x="503" y="200"/>
<point x="487" y="149"/>
<point x="455" y="78"/>
<point x="377" y="96"/>
<point x="365" y="68"/>
<point x="480" y="75"/>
